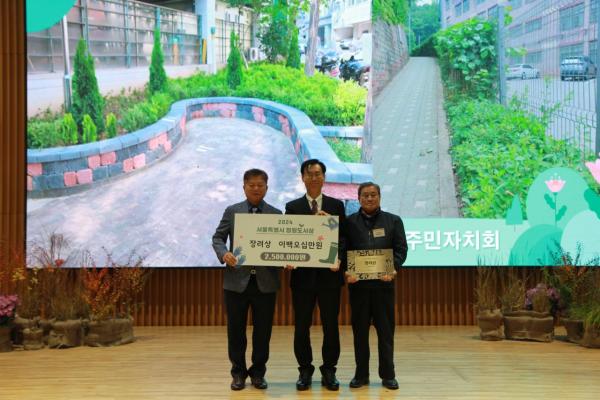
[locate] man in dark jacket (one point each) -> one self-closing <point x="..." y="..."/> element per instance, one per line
<point x="368" y="229"/>
<point x="310" y="285"/>
<point x="246" y="286"/>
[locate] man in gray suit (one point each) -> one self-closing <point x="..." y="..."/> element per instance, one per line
<point x="246" y="286"/>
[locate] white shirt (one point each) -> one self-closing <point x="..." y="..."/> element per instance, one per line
<point x="319" y="200"/>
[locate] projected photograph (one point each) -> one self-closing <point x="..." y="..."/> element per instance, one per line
<point x="484" y="132"/>
<point x="143" y="116"/>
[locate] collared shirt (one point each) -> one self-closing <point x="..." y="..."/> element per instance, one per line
<point x="319" y="200"/>
<point x="259" y="207"/>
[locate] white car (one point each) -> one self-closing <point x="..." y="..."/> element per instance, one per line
<point x="522" y="71"/>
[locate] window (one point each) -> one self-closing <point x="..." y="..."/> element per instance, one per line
<point x="574" y="50"/>
<point x="458" y="9"/>
<point x="535" y="57"/>
<point x="534" y="25"/>
<point x="515" y="60"/>
<point x="493" y="12"/>
<point x="571" y="18"/>
<point x="515" y="3"/>
<point x="482" y="16"/>
<point x="480" y="1"/>
<point x="593" y="50"/>
<point x="516" y="31"/>
<point x="593" y="11"/>
<point x="465" y="6"/>
<point x="447" y="4"/>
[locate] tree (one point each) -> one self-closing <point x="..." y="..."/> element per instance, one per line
<point x="425" y="21"/>
<point x="293" y="59"/>
<point x="234" y="63"/>
<point x="86" y="96"/>
<point x="158" y="76"/>
<point x="514" y="216"/>
<point x="313" y="29"/>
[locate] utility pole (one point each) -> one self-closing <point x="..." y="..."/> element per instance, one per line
<point x="67" y="74"/>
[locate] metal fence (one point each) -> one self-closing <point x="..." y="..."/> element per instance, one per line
<point x="222" y="38"/>
<point x="119" y="34"/>
<point x="551" y="63"/>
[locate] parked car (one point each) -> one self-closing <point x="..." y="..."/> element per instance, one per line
<point x="522" y="71"/>
<point x="577" y="68"/>
<point x="355" y="69"/>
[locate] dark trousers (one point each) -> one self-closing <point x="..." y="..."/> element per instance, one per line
<point x="263" y="307"/>
<point x="329" y="305"/>
<point x="377" y="305"/>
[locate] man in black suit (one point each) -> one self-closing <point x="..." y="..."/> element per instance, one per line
<point x="247" y="287"/>
<point x="312" y="285"/>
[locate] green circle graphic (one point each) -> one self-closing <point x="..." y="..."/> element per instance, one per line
<point x="42" y="14"/>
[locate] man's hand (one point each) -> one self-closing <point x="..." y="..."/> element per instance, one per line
<point x="321" y="212"/>
<point x="351" y="278"/>
<point x="290" y="267"/>
<point x="336" y="266"/>
<point x="388" y="277"/>
<point x="230" y="259"/>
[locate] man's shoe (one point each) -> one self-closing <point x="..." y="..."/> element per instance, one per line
<point x="259" y="382"/>
<point x="391" y="384"/>
<point x="304" y="381"/>
<point x="355" y="383"/>
<point x="330" y="382"/>
<point x="238" y="383"/>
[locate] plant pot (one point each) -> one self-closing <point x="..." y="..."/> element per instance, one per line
<point x="33" y="339"/>
<point x="65" y="334"/>
<point x="591" y="336"/>
<point x="5" y="341"/>
<point x="575" y="328"/>
<point x="490" y="323"/>
<point x="110" y="332"/>
<point x="529" y="325"/>
<point x="19" y="325"/>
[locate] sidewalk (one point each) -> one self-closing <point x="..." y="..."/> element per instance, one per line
<point x="45" y="90"/>
<point x="411" y="161"/>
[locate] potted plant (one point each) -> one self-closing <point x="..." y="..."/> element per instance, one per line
<point x="8" y="305"/>
<point x="536" y="321"/>
<point x="588" y="310"/>
<point x="110" y="293"/>
<point x="489" y="316"/>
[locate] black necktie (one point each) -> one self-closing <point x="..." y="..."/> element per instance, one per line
<point x="314" y="207"/>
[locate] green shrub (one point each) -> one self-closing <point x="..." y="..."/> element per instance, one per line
<point x="234" y="63"/>
<point x="498" y="151"/>
<point x="293" y="58"/>
<point x="89" y="130"/>
<point x="393" y="12"/>
<point x="43" y="134"/>
<point x="426" y="49"/>
<point x="345" y="150"/>
<point x="111" y="126"/>
<point x="86" y="96"/>
<point x="467" y="58"/>
<point x="158" y="76"/>
<point x="69" y="130"/>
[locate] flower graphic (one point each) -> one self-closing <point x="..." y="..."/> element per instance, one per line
<point x="555" y="185"/>
<point x="594" y="168"/>
<point x="321" y="238"/>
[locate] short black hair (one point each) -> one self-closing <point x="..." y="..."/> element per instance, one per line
<point x="251" y="173"/>
<point x="368" y="184"/>
<point x="308" y="163"/>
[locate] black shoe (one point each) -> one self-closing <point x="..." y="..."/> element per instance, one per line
<point x="238" y="382"/>
<point x="391" y="384"/>
<point x="356" y="382"/>
<point x="259" y="382"/>
<point x="304" y="381"/>
<point x="329" y="381"/>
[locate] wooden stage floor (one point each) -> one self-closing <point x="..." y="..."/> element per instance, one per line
<point x="191" y="363"/>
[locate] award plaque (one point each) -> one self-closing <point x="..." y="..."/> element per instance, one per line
<point x="371" y="264"/>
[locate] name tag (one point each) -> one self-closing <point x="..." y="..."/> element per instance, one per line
<point x="379" y="232"/>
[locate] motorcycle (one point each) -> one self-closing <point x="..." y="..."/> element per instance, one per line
<point x="328" y="63"/>
<point x="357" y="70"/>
